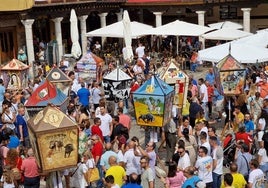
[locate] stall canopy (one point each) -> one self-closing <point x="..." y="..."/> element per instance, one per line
<point x="259" y="39"/>
<point x="117" y="75"/>
<point x="76" y="49"/>
<point x="242" y="52"/>
<point x="225" y="34"/>
<point x="116" y="30"/>
<point x="16" y="5"/>
<point x="225" y="25"/>
<point x="179" y="28"/>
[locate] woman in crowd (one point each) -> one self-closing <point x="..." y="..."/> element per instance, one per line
<point x="185" y="124"/>
<point x="175" y="178"/>
<point x="190" y="145"/>
<point x="263" y="158"/>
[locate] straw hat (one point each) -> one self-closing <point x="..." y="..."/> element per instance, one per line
<point x="21" y="51"/>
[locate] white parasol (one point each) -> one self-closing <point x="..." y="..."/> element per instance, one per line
<point x="76" y="49"/>
<point x="128" y="52"/>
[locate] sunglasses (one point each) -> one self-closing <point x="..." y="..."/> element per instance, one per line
<point x="180" y="152"/>
<point x="142" y="162"/>
<point x="93" y="139"/>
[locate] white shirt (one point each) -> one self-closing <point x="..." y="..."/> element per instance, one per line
<point x="140" y="51"/>
<point x="263" y="154"/>
<point x="256" y="177"/>
<point x="204" y="166"/>
<point x="184" y="161"/>
<point x="131" y="163"/>
<point x="106" y="119"/>
<point x="204" y="90"/>
<point x="95" y="93"/>
<point x="217" y="154"/>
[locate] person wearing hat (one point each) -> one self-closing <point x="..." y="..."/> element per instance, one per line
<point x="22" y="56"/>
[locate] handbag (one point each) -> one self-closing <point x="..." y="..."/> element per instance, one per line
<point x="92" y="174"/>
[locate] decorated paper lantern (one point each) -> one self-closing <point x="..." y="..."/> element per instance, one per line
<point x="178" y="79"/>
<point x="153" y="102"/>
<point x="54" y="137"/>
<point x="230" y="76"/>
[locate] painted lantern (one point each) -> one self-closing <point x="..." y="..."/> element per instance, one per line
<point x="116" y="85"/>
<point x="15" y="75"/>
<point x="46" y="93"/>
<point x="178" y="79"/>
<point x="90" y="67"/>
<point x="60" y="79"/>
<point x="153" y="102"/>
<point x="54" y="137"/>
<point x="230" y="76"/>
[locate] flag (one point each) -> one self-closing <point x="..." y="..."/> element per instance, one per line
<point x="44" y="92"/>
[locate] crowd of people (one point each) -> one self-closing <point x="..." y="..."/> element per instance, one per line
<point x="195" y="154"/>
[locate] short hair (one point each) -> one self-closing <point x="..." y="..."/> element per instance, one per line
<point x="190" y="170"/>
<point x="245" y="147"/>
<point x="213" y="138"/>
<point x="145" y="158"/>
<point x="255" y="163"/>
<point x="96" y="120"/>
<point x="181" y="147"/>
<point x="120" y="109"/>
<point x="133" y="178"/>
<point x="203" y="135"/>
<point x="71" y="73"/>
<point x="238" y="107"/>
<point x="82" y="84"/>
<point x="116" y="118"/>
<point x="233" y="167"/>
<point x="109" y="179"/>
<point x="201" y="80"/>
<point x="228" y="178"/>
<point x="212" y="128"/>
<point x="1" y="81"/>
<point x="204" y="149"/>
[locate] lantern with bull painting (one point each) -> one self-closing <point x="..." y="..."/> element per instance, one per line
<point x="153" y="102"/>
<point x="54" y="137"/>
<point x="15" y="75"/>
<point x="116" y="85"/>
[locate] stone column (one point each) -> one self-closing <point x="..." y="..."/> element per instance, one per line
<point x="201" y="21"/>
<point x="57" y="22"/>
<point x="83" y="28"/>
<point x="201" y="17"/>
<point x="103" y="24"/>
<point x="29" y="44"/>
<point x="158" y="18"/>
<point x="246" y="19"/>
<point x="119" y="16"/>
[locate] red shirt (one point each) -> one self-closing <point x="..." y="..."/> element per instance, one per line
<point x="125" y="120"/>
<point x="243" y="136"/>
<point x="29" y="167"/>
<point x="97" y="150"/>
<point x="210" y="93"/>
<point x="95" y="129"/>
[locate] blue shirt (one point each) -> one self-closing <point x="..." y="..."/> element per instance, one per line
<point x="131" y="185"/>
<point x="83" y="95"/>
<point x="249" y="126"/>
<point x="2" y="92"/>
<point x="191" y="182"/>
<point x="21" y="121"/>
<point x="14" y="142"/>
<point x="210" y="78"/>
<point x="217" y="95"/>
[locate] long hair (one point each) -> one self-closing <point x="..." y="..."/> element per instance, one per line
<point x="185" y="133"/>
<point x="172" y="169"/>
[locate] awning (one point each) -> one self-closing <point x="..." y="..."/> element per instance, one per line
<point x="16" y="5"/>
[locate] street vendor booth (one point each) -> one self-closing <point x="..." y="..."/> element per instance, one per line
<point x="90" y="67"/>
<point x="153" y="102"/>
<point x="54" y="138"/>
<point x="47" y="93"/>
<point x="15" y="75"/>
<point x="178" y="79"/>
<point x="116" y="85"/>
<point x="60" y="79"/>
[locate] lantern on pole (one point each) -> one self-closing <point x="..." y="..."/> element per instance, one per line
<point x="153" y="102"/>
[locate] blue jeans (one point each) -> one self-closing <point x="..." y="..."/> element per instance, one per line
<point x="193" y="66"/>
<point x="204" y="105"/>
<point x="100" y="182"/>
<point x="216" y="180"/>
<point x="107" y="139"/>
<point x="264" y="168"/>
